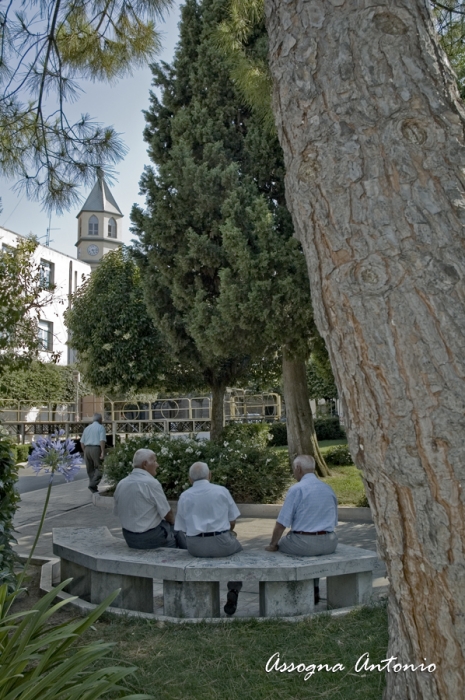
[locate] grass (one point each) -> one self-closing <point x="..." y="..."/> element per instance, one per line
<point x="227" y="661"/>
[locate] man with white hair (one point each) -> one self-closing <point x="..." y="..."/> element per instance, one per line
<point x="93" y="443"/>
<point x="141" y="506"/>
<point x="310" y="511"/>
<point x="207" y="514"/>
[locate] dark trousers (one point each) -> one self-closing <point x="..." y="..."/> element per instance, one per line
<point x="163" y="535"/>
<point x="93" y="465"/>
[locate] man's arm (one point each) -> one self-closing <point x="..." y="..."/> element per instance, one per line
<point x="169" y="517"/>
<point x="102" y="448"/>
<point x="275" y="537"/>
<point x="232" y="524"/>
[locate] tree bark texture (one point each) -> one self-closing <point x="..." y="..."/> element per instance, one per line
<point x="373" y="136"/>
<point x="301" y="436"/>
<point x="217" y="411"/>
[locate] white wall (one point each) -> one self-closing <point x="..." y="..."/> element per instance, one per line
<point x="69" y="274"/>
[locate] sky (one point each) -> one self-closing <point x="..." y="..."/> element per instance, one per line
<point x="119" y="105"/>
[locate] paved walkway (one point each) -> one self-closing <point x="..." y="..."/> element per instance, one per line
<point x="71" y="505"/>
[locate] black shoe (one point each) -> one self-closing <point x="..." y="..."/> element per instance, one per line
<point x="316" y="594"/>
<point x="233" y="594"/>
<point x="92" y="490"/>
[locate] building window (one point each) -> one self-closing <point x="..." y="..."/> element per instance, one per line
<point x="112" y="228"/>
<point x="46" y="270"/>
<point x="93" y="226"/>
<point x="46" y="335"/>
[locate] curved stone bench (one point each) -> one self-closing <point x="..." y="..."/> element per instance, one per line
<point x="99" y="563"/>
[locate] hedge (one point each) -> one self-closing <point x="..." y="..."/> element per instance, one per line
<point x="325" y="428"/>
<point x="251" y="472"/>
<point x="20" y="452"/>
<point x="338" y="455"/>
<point x="9" y="498"/>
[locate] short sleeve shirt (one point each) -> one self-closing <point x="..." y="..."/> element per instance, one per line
<point x="94" y="434"/>
<point x="139" y="502"/>
<point x="205" y="507"/>
<point x="309" y="506"/>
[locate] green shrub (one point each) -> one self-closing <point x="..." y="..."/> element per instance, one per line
<point x="363" y="502"/>
<point x="252" y="473"/>
<point x="338" y="455"/>
<point x="8" y="504"/>
<point x="256" y="433"/>
<point x="329" y="429"/>
<point x="20" y="452"/>
<point x="278" y="434"/>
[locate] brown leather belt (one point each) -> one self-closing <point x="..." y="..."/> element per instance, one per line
<point x="321" y="532"/>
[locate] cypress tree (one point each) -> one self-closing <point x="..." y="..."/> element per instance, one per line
<point x="225" y="281"/>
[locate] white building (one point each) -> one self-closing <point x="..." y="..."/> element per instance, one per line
<point x="99" y="231"/>
<point x="67" y="274"/>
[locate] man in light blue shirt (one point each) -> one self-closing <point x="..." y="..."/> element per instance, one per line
<point x="310" y="511"/>
<point x="93" y="443"/>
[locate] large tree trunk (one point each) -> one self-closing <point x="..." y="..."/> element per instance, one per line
<point x="373" y="136"/>
<point x="301" y="436"/>
<point x="217" y="411"/>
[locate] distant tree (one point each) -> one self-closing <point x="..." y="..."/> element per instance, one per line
<point x="119" y="349"/>
<point x="41" y="382"/>
<point x="21" y="297"/>
<point x="46" y="48"/>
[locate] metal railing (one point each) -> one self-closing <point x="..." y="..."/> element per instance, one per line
<point x="180" y="415"/>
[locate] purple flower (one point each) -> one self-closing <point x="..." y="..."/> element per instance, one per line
<point x="54" y="455"/>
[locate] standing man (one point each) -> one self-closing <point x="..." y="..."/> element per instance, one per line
<point x="141" y="506"/>
<point x="310" y="511"/>
<point x="207" y="514"/>
<point x="93" y="441"/>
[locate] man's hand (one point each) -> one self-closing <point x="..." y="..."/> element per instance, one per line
<point x="272" y="548"/>
<point x="169" y="517"/>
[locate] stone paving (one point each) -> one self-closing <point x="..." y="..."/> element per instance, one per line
<point x="71" y="505"/>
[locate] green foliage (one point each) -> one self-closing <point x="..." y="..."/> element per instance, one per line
<point x="320" y="379"/>
<point x="338" y="455"/>
<point x="329" y="429"/>
<point x="38" y="661"/>
<point x="119" y="348"/>
<point x="9" y="498"/>
<point x="20" y="453"/>
<point x="21" y="298"/>
<point x="256" y="433"/>
<point x="41" y="382"/>
<point x="449" y="19"/>
<point x="225" y="280"/>
<point x="46" y="48"/>
<point x="252" y="473"/>
<point x="278" y="433"/>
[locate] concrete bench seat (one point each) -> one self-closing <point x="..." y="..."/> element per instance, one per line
<point x="100" y="563"/>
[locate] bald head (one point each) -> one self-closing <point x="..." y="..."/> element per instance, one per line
<point x="306" y="463"/>
<point x="97" y="417"/>
<point x="199" y="470"/>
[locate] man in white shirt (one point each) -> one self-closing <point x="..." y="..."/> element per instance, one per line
<point x="207" y="514"/>
<point x="141" y="506"/>
<point x="93" y="443"/>
<point x="310" y="511"/>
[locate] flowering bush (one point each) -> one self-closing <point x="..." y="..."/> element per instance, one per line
<point x="253" y="473"/>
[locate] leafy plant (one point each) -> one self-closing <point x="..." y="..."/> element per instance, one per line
<point x="8" y="504"/>
<point x="36" y="662"/>
<point x="329" y="429"/>
<point x="253" y="473"/>
<point x="36" y="659"/>
<point x="338" y="455"/>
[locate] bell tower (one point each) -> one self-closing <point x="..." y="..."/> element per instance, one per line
<point x="99" y="225"/>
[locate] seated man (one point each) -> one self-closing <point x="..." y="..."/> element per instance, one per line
<point x="310" y="511"/>
<point x="207" y="514"/>
<point x="140" y="504"/>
